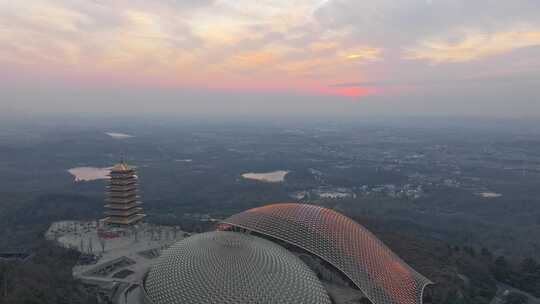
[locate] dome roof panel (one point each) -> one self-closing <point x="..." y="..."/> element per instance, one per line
<point x="229" y="267"/>
<point x="379" y="273"/>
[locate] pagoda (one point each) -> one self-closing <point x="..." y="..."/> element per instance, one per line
<point x="123" y="207"/>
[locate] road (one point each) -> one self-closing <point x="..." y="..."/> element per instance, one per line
<point x="503" y="289"/>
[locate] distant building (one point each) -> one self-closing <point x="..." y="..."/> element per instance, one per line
<point x="123" y="207"/>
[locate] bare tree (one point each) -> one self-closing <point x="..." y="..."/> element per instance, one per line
<point x="90" y="246"/>
<point x="6" y="282"/>
<point x="102" y="242"/>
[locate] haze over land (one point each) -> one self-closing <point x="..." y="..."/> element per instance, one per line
<point x="426" y="187"/>
<point x="301" y="57"/>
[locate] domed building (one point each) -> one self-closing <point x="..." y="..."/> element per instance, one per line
<point x="347" y="246"/>
<point x="228" y="267"/>
<point x="283" y="253"/>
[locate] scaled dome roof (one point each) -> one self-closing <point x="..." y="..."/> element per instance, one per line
<point x="229" y="267"/>
<point x="379" y="273"/>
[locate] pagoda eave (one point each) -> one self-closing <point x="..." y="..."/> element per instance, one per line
<point x="124" y="221"/>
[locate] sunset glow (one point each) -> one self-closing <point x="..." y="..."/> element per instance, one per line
<point x="304" y="47"/>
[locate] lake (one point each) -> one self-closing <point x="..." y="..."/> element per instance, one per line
<point x="85" y="174"/>
<point x="269" y="177"/>
<point x="119" y="135"/>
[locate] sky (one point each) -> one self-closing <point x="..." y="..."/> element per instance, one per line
<point x="262" y="57"/>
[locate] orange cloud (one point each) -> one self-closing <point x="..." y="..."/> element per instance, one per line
<point x="363" y="53"/>
<point x="253" y="47"/>
<point x="474" y="46"/>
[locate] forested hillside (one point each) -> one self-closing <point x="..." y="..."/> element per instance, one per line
<point x="43" y="278"/>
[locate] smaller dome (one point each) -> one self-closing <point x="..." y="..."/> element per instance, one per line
<point x="231" y="267"/>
